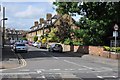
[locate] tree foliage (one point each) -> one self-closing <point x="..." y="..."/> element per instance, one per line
<point x="52" y="36"/>
<point x="35" y="38"/>
<point x="98" y="21"/>
<point x="24" y="38"/>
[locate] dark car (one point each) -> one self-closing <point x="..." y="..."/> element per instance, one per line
<point x="55" y="47"/>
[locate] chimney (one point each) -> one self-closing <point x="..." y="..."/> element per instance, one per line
<point x="48" y="16"/>
<point x="41" y="20"/>
<point x="36" y="23"/>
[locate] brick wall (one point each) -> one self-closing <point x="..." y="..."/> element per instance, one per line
<point x="94" y="50"/>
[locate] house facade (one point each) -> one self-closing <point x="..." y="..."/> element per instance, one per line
<point x="45" y="26"/>
<point x="12" y="34"/>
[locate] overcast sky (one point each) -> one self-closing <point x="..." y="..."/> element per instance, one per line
<point x="21" y="14"/>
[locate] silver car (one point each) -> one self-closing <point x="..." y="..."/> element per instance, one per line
<point x="20" y="47"/>
<point x="55" y="47"/>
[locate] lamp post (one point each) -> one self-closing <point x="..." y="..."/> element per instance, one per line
<point x="3" y="35"/>
<point x="116" y="34"/>
<point x="2" y="45"/>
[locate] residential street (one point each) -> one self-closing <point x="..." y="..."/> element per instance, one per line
<point x="40" y="64"/>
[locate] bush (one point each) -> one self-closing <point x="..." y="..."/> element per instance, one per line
<point x="115" y="49"/>
<point x="118" y="49"/>
<point x="35" y="38"/>
<point x="106" y="48"/>
<point x="67" y="41"/>
<point x="38" y="40"/>
<point x="76" y="43"/>
<point x="44" y="40"/>
<point x="24" y="38"/>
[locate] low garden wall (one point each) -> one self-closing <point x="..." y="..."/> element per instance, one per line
<point x="92" y="50"/>
<point x="95" y="50"/>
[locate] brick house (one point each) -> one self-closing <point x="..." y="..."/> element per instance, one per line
<point x="46" y="26"/>
<point x="12" y="34"/>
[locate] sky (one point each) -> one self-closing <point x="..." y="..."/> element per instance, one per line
<point x="21" y="14"/>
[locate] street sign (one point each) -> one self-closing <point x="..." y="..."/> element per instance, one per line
<point x="116" y="27"/>
<point x="115" y="34"/>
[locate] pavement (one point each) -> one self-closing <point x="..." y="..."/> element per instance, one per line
<point x="97" y="59"/>
<point x="9" y="58"/>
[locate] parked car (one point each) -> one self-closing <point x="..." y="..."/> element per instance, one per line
<point x="35" y="44"/>
<point x="20" y="47"/>
<point x="41" y="45"/>
<point x="24" y="41"/>
<point x="30" y="43"/>
<point x="55" y="47"/>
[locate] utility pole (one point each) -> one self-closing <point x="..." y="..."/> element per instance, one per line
<point x="3" y="36"/>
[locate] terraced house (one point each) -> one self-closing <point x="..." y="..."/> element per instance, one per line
<point x="58" y="22"/>
<point x="12" y="34"/>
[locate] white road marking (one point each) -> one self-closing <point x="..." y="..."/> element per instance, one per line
<point x="107" y="76"/>
<point x="66" y="69"/>
<point x="43" y="76"/>
<point x="50" y="73"/>
<point x="55" y="57"/>
<point x="77" y="64"/>
<point x="24" y="63"/>
<point x="24" y="70"/>
<point x="54" y="69"/>
<point x="18" y="73"/>
<point x="39" y="71"/>
<point x="100" y="77"/>
<point x="88" y="67"/>
<point x="82" y="69"/>
<point x="57" y="73"/>
<point x="69" y="69"/>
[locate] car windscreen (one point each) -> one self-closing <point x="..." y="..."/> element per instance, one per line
<point x="20" y="44"/>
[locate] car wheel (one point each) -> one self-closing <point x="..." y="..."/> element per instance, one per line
<point x="61" y="51"/>
<point x="51" y="50"/>
<point x="15" y="51"/>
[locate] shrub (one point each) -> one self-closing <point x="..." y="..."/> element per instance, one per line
<point x="35" y="38"/>
<point x="106" y="48"/>
<point x="115" y="49"/>
<point x="67" y="41"/>
<point x="118" y="49"/>
<point x="76" y="43"/>
<point x="24" y="38"/>
<point x="38" y="40"/>
<point x="44" y="40"/>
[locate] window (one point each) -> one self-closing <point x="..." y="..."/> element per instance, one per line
<point x="112" y="43"/>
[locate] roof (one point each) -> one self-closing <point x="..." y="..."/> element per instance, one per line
<point x="57" y="17"/>
<point x="32" y="27"/>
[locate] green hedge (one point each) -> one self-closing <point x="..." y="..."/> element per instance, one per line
<point x="107" y="48"/>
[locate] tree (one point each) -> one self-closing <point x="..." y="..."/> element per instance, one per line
<point x="102" y="14"/>
<point x="66" y="7"/>
<point x="91" y="31"/>
<point x="63" y="30"/>
<point x="24" y="38"/>
<point x="52" y="36"/>
<point x="35" y="38"/>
